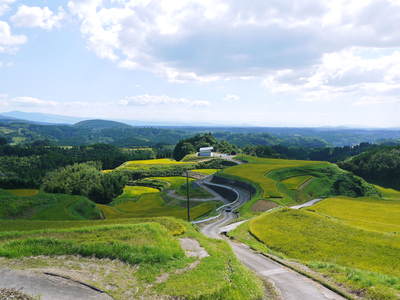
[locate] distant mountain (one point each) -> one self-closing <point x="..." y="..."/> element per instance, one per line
<point x="101" y="124"/>
<point x="42" y="118"/>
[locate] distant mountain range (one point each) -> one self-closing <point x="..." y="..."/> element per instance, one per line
<point x="41" y="117"/>
<point x="22" y="127"/>
<point x="60" y="119"/>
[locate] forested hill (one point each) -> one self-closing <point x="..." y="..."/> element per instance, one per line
<point x="89" y="132"/>
<point x="119" y="134"/>
<point x="380" y="166"/>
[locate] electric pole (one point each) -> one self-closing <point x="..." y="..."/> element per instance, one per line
<point x="187" y="196"/>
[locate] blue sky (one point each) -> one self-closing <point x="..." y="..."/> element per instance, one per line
<point x="263" y="63"/>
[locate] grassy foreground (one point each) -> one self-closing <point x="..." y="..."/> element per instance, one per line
<point x="147" y="250"/>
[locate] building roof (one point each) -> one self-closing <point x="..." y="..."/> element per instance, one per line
<point x="206" y="149"/>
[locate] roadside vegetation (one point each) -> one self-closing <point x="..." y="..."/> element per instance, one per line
<point x="152" y="262"/>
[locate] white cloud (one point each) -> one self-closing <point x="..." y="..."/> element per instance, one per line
<point x="214" y="39"/>
<point x="30" y="102"/>
<point x="144" y="100"/>
<point x="33" y="16"/>
<point x="9" y="43"/>
<point x="5" y="6"/>
<point x="362" y="75"/>
<point x="231" y="98"/>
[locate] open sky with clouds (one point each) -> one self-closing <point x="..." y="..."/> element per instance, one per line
<point x="277" y="62"/>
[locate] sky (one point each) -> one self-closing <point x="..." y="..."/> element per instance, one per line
<point x="231" y="62"/>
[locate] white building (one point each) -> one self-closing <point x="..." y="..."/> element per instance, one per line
<point x="206" y="151"/>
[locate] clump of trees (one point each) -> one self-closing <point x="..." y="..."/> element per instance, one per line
<point x="86" y="179"/>
<point x="331" y="154"/>
<point x="24" y="166"/>
<point x="380" y="166"/>
<point x="192" y="145"/>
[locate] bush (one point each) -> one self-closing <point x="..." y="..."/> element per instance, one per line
<point x="86" y="180"/>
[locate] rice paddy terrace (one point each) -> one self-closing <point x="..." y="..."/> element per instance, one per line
<point x="354" y="241"/>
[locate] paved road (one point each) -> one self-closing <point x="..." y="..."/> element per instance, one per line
<point x="307" y="204"/>
<point x="48" y="287"/>
<point x="290" y="284"/>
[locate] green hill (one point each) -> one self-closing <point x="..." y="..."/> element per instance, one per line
<point x="100" y="124"/>
<point x="380" y="166"/>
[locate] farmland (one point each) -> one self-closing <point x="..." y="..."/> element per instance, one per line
<point x="287" y="182"/>
<point x="206" y="171"/>
<point x="150" y="163"/>
<point x="355" y="241"/>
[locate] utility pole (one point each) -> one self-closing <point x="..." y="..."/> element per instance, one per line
<point x="187" y="196"/>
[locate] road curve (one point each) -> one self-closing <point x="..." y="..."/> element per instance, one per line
<point x="290" y="284"/>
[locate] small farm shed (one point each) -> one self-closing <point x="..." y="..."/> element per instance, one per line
<point x="206" y="151"/>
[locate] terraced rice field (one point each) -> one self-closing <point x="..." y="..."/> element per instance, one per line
<point x="140" y="201"/>
<point x="296" y="182"/>
<point x="261" y="172"/>
<point x="258" y="170"/>
<point x="365" y="213"/>
<point x="205" y="171"/>
<point x="355" y="241"/>
<point x="143" y="164"/>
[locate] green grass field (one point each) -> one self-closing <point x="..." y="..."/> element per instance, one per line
<point x="142" y="250"/>
<point x="34" y="205"/>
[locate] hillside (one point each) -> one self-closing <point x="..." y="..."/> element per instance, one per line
<point x="88" y="132"/>
<point x="380" y="166"/>
<point x="101" y="124"/>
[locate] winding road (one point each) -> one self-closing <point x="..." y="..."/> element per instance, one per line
<point x="290" y="284"/>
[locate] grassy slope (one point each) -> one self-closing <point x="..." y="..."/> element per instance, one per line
<point x="154" y="248"/>
<point x="178" y="184"/>
<point x="365" y="213"/>
<point x="353" y="241"/>
<point x="45" y="206"/>
<point x="138" y="201"/>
